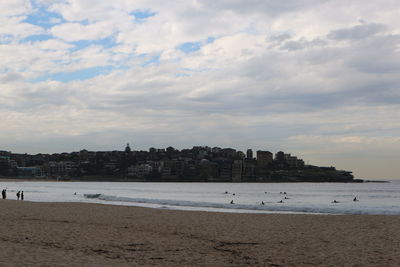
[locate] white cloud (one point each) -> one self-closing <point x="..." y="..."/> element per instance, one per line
<point x="72" y="32"/>
<point x="53" y="45"/>
<point x="313" y="76"/>
<point x="14" y="29"/>
<point x="15" y="8"/>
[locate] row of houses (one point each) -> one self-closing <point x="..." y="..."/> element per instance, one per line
<point x="196" y="164"/>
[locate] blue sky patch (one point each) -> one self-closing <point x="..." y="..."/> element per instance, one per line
<point x="153" y="60"/>
<point x="143" y="14"/>
<point x="78" y="45"/>
<point x="37" y="38"/>
<point x="182" y="74"/>
<point x="43" y="18"/>
<point x="79" y="75"/>
<point x="5" y="38"/>
<point x="190" y="47"/>
<point x="210" y="40"/>
<point x="107" y="42"/>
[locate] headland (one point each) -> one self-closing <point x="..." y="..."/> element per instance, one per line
<point x="198" y="164"/>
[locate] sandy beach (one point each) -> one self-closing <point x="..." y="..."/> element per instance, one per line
<point x="75" y="234"/>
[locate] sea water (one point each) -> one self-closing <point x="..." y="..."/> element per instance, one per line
<point x="373" y="198"/>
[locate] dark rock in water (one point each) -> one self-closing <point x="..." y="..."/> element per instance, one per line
<point x="92" y="195"/>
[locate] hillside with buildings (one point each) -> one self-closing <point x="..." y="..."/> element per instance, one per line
<point x="198" y="164"/>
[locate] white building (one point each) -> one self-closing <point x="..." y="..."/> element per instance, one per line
<point x="140" y="171"/>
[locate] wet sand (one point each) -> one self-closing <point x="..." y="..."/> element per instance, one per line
<point x="76" y="234"/>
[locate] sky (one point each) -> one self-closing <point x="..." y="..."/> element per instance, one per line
<point x="319" y="79"/>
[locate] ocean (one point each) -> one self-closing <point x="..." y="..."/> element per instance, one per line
<point x="315" y="198"/>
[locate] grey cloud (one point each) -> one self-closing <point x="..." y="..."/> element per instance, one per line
<point x="357" y="32"/>
<point x="281" y="103"/>
<point x="377" y="55"/>
<point x="270" y="7"/>
<point x="377" y="93"/>
<point x="33" y="97"/>
<point x="375" y="64"/>
<point x="209" y="98"/>
<point x="11" y="77"/>
<point x="280" y="37"/>
<point x="292" y="46"/>
<point x="271" y="89"/>
<point x="255" y="94"/>
<point x="301" y="44"/>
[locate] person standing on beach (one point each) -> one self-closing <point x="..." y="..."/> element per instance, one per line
<point x="3" y="194"/>
<point x="18" y="194"/>
<point x="22" y="195"/>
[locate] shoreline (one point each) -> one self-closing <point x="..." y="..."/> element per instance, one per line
<point x="97" y="180"/>
<point x="221" y="210"/>
<point x="76" y="234"/>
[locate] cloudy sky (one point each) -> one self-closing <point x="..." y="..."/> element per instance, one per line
<point x="316" y="78"/>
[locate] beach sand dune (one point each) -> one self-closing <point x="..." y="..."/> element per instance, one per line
<point x="77" y="234"/>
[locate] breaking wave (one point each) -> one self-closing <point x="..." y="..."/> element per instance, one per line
<point x="169" y="202"/>
<point x="268" y="207"/>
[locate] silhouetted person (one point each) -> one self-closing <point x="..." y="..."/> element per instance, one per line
<point x="355" y="199"/>
<point x="22" y="195"/>
<point x="280" y="201"/>
<point x="3" y="194"/>
<point x="18" y="195"/>
<point x="262" y="203"/>
<point x="232" y="202"/>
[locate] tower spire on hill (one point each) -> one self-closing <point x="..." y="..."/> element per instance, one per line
<point x="128" y="148"/>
